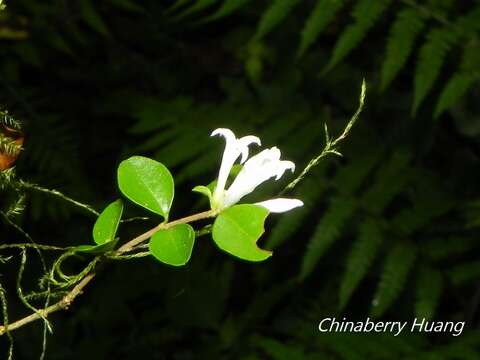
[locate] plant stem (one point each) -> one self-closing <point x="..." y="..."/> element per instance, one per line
<point x="68" y="299"/>
<point x="58" y="194"/>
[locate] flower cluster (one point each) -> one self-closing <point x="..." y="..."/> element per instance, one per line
<point x="256" y="170"/>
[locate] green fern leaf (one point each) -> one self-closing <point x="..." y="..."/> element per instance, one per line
<point x="429" y="201"/>
<point x="278" y="350"/>
<point x="465" y="273"/>
<point x="275" y="13"/>
<point x="431" y="58"/>
<point x="327" y="231"/>
<point x="228" y="7"/>
<point x="203" y="164"/>
<point x="429" y="289"/>
<point x="398" y="263"/>
<point x="408" y="24"/>
<point x="92" y="18"/>
<point x="461" y="81"/>
<point x="365" y="14"/>
<point x="196" y="7"/>
<point x="310" y="190"/>
<point x="323" y="13"/>
<point x="439" y="249"/>
<point x="349" y="178"/>
<point x="361" y="256"/>
<point x="389" y="181"/>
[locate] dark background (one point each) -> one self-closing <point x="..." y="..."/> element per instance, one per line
<point x="389" y="231"/>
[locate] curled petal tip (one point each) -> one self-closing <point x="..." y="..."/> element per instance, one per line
<point x="223" y="132"/>
<point x="284" y="165"/>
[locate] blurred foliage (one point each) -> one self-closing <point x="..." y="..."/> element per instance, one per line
<point x="389" y="231"/>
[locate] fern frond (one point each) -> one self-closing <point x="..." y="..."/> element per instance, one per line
<point x="362" y="255"/>
<point x="429" y="202"/>
<point x="350" y="177"/>
<point x="323" y="13"/>
<point x="228" y="7"/>
<point x="398" y="263"/>
<point x="456" y="88"/>
<point x="275" y="13"/>
<point x="277" y="350"/>
<point x="327" y="231"/>
<point x="408" y="24"/>
<point x="439" y="249"/>
<point x="390" y="180"/>
<point x="429" y="290"/>
<point x="311" y="190"/>
<point x="93" y="18"/>
<point x="185" y="147"/>
<point x="195" y="8"/>
<point x="431" y="58"/>
<point x="464" y="273"/>
<point x="462" y="80"/>
<point x="365" y="14"/>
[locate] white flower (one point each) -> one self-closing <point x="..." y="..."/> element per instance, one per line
<point x="257" y="169"/>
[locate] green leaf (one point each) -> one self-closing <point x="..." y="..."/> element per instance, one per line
<point x="362" y="255"/>
<point x="456" y="87"/>
<point x="98" y="249"/>
<point x="196" y="7"/>
<point x="323" y="13"/>
<point x="329" y="229"/>
<point x="276" y="13"/>
<point x="205" y="190"/>
<point x="92" y="18"/>
<point x="365" y="13"/>
<point x="429" y="291"/>
<point x="430" y="61"/>
<point x="128" y="5"/>
<point x="173" y="246"/>
<point x="398" y="264"/>
<point x="408" y="24"/>
<point x="237" y="230"/>
<point x="106" y="226"/>
<point x="147" y="183"/>
<point x="228" y="7"/>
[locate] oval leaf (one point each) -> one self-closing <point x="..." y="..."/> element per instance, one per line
<point x="106" y="226"/>
<point x="147" y="183"/>
<point x="173" y="246"/>
<point x="237" y="230"/>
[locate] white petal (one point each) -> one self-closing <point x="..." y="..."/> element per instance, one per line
<point x="282" y="167"/>
<point x="257" y="169"/>
<point x="242" y="145"/>
<point x="233" y="149"/>
<point x="280" y="205"/>
<point x="226" y="133"/>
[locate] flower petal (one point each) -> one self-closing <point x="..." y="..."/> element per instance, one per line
<point x="233" y="149"/>
<point x="258" y="169"/>
<point x="280" y="205"/>
<point x="226" y="133"/>
<point x="282" y="167"/>
<point x="242" y="145"/>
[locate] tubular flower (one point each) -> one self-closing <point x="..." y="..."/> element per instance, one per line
<point x="256" y="170"/>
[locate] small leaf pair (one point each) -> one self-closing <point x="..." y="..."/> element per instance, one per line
<point x="105" y="229"/>
<point x="148" y="183"/>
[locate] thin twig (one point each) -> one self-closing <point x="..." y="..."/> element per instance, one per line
<point x="58" y="194"/>
<point x="330" y="146"/>
<point x="68" y="299"/>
